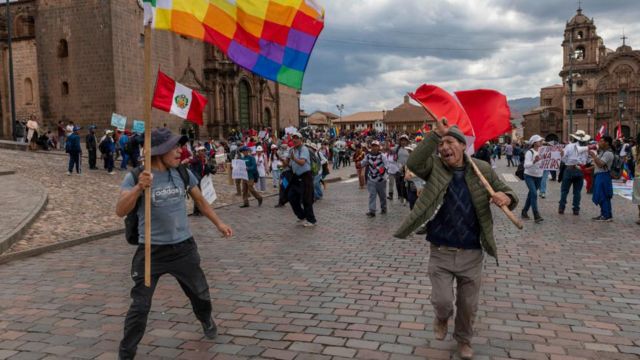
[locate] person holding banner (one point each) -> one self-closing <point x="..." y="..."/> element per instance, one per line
<point x="456" y="207"/>
<point x="173" y="249"/>
<point x="533" y="178"/>
<point x="252" y="176"/>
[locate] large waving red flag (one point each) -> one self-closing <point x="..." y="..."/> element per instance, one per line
<point x="441" y="104"/>
<point x="488" y="112"/>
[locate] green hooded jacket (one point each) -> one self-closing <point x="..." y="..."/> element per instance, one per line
<point x="426" y="164"/>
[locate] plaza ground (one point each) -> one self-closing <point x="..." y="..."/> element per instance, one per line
<point x="567" y="289"/>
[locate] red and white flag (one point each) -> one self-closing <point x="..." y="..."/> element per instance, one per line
<point x="601" y="132"/>
<point x="178" y="99"/>
<point x="619" y="131"/>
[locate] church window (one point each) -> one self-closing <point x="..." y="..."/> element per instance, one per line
<point x="266" y="119"/>
<point x="579" y="104"/>
<point x="65" y="88"/>
<point x="547" y="102"/>
<point x="580" y="35"/>
<point x="244" y="105"/>
<point x="28" y="91"/>
<point x="601" y="99"/>
<point x="63" y="49"/>
<point x="579" y="53"/>
<point x="24" y="26"/>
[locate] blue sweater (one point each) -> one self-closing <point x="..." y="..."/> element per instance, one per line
<point x="456" y="224"/>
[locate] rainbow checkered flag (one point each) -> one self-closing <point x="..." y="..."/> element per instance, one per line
<point x="271" y="38"/>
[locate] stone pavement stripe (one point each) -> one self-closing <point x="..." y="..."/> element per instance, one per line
<point x="339" y="289"/>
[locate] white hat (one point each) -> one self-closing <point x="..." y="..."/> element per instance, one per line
<point x="375" y="142"/>
<point x="580" y="135"/>
<point x="535" y="138"/>
<point x="296" y="134"/>
<point x="200" y="148"/>
<point x="259" y="148"/>
<point x="274" y="146"/>
<point x="404" y="136"/>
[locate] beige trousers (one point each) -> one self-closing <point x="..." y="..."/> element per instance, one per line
<point x="465" y="266"/>
<point x="247" y="187"/>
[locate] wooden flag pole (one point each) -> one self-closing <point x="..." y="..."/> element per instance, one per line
<point x="483" y="180"/>
<point x="147" y="153"/>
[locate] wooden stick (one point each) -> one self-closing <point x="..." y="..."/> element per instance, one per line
<point x="147" y="153"/>
<point x="517" y="222"/>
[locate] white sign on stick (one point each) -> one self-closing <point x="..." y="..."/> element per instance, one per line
<point x="550" y="157"/>
<point x="239" y="170"/>
<point x="208" y="191"/>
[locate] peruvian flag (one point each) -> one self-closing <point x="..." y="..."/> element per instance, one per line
<point x="178" y="99"/>
<point x="601" y="132"/>
<point x="619" y="131"/>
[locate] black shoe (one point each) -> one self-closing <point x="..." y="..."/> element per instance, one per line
<point x="210" y="329"/>
<point x="537" y="219"/>
<point x="279" y="206"/>
<point x="560" y="211"/>
<point x="524" y="215"/>
<point x="390" y="197"/>
<point x="260" y="202"/>
<point x="383" y="211"/>
<point x="370" y="214"/>
<point x="576" y="212"/>
<point x="244" y="205"/>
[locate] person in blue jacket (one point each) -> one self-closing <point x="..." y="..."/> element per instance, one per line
<point x="252" y="172"/>
<point x="74" y="150"/>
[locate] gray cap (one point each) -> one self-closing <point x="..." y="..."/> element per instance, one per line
<point x="163" y="141"/>
<point x="457" y="133"/>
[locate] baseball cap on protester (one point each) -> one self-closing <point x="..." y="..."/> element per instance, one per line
<point x="163" y="141"/>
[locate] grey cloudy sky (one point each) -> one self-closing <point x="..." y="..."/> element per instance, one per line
<point x="372" y="52"/>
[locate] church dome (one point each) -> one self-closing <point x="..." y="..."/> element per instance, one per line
<point x="579" y="19"/>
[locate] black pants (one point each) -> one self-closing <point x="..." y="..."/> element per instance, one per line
<point x="92" y="159"/>
<point x="182" y="261"/>
<point x="301" y="196"/>
<point x="401" y="186"/>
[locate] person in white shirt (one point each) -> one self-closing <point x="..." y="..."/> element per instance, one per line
<point x="261" y="161"/>
<point x="392" y="168"/>
<point x="533" y="178"/>
<point x="573" y="156"/>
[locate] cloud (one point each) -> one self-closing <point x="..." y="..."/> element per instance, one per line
<point x="372" y="52"/>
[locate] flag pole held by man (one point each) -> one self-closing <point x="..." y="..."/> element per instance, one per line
<point x="455" y="205"/>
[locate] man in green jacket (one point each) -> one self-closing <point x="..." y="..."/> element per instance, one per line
<point x="455" y="207"/>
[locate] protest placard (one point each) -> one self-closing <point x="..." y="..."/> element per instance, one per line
<point x="220" y="161"/>
<point x="239" y="170"/>
<point x="118" y="121"/>
<point x="208" y="191"/>
<point x="138" y="126"/>
<point x="550" y="157"/>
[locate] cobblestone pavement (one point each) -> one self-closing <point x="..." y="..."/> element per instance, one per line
<point x="78" y="205"/>
<point x="20" y="198"/>
<point x="568" y="289"/>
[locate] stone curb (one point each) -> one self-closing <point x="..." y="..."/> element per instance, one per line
<point x="8" y="241"/>
<point x="12" y="145"/>
<point x="79" y="241"/>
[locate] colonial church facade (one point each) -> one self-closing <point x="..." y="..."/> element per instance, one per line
<point x="82" y="61"/>
<point x="605" y="87"/>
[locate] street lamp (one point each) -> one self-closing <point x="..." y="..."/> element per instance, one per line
<point x="621" y="113"/>
<point x="340" y="107"/>
<point x="589" y="121"/>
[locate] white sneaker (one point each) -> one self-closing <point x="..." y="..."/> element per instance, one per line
<point x="308" y="224"/>
<point x="111" y="173"/>
<point x="300" y="221"/>
<point x="68" y="173"/>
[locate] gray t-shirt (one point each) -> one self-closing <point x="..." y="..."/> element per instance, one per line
<point x="301" y="153"/>
<point x="606" y="157"/>
<point x="403" y="156"/>
<point x="169" y="222"/>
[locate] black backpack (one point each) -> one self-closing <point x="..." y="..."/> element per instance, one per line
<point x="520" y="170"/>
<point x="131" y="220"/>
